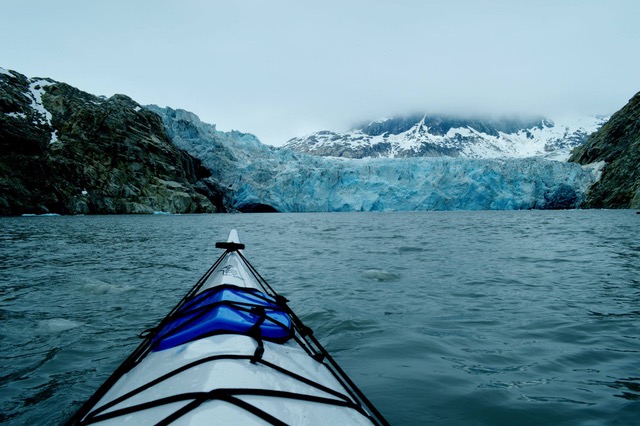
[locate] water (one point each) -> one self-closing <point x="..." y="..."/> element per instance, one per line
<point x="447" y="318"/>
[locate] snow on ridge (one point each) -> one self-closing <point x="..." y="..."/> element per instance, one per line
<point x="381" y="120"/>
<point x="547" y="139"/>
<point x="36" y="89"/>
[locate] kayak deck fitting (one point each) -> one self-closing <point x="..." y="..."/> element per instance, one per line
<point x="230" y="352"/>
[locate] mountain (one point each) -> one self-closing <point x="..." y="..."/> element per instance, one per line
<point x="440" y="135"/>
<point x="617" y="146"/>
<point x="260" y="178"/>
<point x="66" y="151"/>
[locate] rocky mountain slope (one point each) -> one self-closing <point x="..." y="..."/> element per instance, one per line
<point x="617" y="144"/>
<point x="439" y="135"/>
<point x="66" y="151"/>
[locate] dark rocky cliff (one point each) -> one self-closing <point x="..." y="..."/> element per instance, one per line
<point x="617" y="143"/>
<point x="66" y="151"/>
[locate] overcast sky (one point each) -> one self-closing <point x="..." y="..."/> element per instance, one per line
<point x="281" y="69"/>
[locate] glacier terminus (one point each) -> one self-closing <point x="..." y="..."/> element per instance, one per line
<point x="257" y="177"/>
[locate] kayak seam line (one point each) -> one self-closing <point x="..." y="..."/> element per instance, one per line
<point x="96" y="413"/>
<point x="220" y="393"/>
<point x="227" y="398"/>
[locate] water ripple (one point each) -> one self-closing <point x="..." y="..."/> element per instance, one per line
<point x="440" y="317"/>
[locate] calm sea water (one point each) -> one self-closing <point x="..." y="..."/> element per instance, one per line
<point x="450" y="318"/>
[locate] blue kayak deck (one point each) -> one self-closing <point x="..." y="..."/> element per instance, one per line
<point x="225" y="309"/>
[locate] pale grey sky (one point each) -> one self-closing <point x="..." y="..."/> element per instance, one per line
<point x="281" y="69"/>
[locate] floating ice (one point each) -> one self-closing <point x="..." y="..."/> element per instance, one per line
<point x="94" y="286"/>
<point x="57" y="325"/>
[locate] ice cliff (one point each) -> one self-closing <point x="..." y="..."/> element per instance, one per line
<point x="310" y="184"/>
<point x="261" y="178"/>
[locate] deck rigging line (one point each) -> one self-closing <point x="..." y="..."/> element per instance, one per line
<point x="302" y="334"/>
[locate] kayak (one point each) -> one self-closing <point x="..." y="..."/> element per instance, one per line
<point x="231" y="352"/>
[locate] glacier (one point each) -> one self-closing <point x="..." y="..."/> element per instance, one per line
<point x="257" y="177"/>
<point x="330" y="185"/>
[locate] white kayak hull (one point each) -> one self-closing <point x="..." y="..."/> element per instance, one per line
<point x="230" y="378"/>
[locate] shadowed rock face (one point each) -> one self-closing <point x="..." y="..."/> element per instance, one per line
<point x="617" y="143"/>
<point x="66" y="151"/>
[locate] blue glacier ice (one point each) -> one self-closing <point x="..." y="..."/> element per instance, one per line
<point x="311" y="184"/>
<point x="253" y="174"/>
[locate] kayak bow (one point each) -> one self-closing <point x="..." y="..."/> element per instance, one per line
<point x="230" y="352"/>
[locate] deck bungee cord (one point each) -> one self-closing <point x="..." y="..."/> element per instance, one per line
<point x="285" y="377"/>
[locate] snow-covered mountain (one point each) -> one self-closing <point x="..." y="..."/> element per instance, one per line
<point x="256" y="177"/>
<point x="439" y="135"/>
